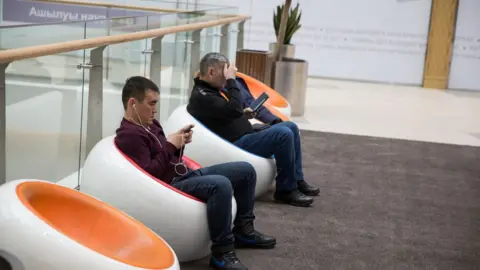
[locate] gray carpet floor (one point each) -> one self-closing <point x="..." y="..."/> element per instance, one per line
<point x="384" y="204"/>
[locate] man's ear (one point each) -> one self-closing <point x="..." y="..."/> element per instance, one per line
<point x="211" y="71"/>
<point x="131" y="101"/>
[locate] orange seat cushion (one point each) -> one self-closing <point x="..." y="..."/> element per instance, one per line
<point x="96" y="225"/>
<point x="257" y="87"/>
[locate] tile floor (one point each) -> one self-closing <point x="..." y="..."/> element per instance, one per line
<point x="392" y="111"/>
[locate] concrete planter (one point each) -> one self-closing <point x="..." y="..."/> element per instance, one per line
<point x="291" y="82"/>
<point x="286" y="50"/>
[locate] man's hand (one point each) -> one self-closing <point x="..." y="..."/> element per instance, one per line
<point x="181" y="137"/>
<point x="230" y="72"/>
<point x="187" y="133"/>
<point x="188" y="136"/>
<point x="249" y="113"/>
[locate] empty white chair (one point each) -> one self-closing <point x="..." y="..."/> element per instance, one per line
<point x="45" y="226"/>
<point x="178" y="217"/>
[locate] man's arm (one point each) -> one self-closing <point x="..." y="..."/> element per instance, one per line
<point x="265" y="116"/>
<point x="137" y="149"/>
<point x="247" y="97"/>
<point x="217" y="107"/>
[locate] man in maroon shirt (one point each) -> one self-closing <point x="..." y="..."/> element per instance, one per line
<point x="141" y="138"/>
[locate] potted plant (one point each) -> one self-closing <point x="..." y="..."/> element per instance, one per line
<point x="293" y="25"/>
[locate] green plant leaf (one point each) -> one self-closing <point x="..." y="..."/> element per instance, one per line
<point x="289" y="37"/>
<point x="293" y="21"/>
<point x="277" y="18"/>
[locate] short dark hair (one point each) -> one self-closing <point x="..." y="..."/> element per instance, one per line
<point x="136" y="87"/>
<point x="210" y="60"/>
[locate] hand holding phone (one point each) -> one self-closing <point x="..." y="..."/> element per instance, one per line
<point x="188" y="129"/>
<point x="255" y="106"/>
<point x="249" y="113"/>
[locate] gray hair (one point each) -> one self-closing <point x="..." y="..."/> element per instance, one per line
<point x="212" y="60"/>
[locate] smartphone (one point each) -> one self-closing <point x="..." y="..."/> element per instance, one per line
<point x="188" y="129"/>
<point x="259" y="102"/>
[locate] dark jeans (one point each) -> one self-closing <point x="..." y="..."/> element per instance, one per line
<point x="283" y="141"/>
<point x="215" y="185"/>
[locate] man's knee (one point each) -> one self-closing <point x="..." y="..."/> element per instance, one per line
<point x="222" y="185"/>
<point x="282" y="132"/>
<point x="246" y="169"/>
<point x="291" y="125"/>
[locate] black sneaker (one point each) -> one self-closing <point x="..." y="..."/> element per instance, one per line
<point x="295" y="198"/>
<point x="307" y="189"/>
<point x="253" y="239"/>
<point x="226" y="260"/>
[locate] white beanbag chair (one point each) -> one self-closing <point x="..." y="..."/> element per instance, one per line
<point x="45" y="226"/>
<point x="179" y="218"/>
<point x="209" y="149"/>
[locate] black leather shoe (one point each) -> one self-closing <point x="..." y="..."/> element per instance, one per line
<point x="306" y="189"/>
<point x="253" y="239"/>
<point x="226" y="260"/>
<point x="295" y="198"/>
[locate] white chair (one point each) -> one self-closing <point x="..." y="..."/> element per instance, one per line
<point x="209" y="149"/>
<point x="178" y="217"/>
<point x="45" y="226"/>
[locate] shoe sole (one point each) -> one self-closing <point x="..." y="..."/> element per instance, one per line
<point x="216" y="267"/>
<point x="298" y="204"/>
<point x="311" y="193"/>
<point x="256" y="246"/>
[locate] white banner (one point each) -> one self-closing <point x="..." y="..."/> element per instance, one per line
<point x="465" y="66"/>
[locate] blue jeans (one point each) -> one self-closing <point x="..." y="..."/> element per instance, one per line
<point x="283" y="141"/>
<point x="215" y="185"/>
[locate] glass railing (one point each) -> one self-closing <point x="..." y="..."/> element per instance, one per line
<point x="51" y="118"/>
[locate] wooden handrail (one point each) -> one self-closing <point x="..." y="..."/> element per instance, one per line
<point x="11" y="55"/>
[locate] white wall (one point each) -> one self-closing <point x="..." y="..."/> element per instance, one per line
<point x="465" y="66"/>
<point x="374" y="40"/>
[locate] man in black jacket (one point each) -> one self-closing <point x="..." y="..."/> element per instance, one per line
<point x="217" y="103"/>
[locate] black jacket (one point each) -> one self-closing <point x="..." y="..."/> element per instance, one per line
<point x="225" y="118"/>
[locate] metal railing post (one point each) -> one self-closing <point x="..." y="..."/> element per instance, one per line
<point x="156" y="60"/>
<point x="156" y="65"/>
<point x="95" y="98"/>
<point x="224" y="39"/>
<point x="195" y="57"/>
<point x="3" y="126"/>
<point x="241" y="35"/>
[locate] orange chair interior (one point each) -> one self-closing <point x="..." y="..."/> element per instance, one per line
<point x="96" y="225"/>
<point x="257" y="88"/>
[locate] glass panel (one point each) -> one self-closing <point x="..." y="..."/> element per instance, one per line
<point x="232" y="41"/>
<point x="43" y="118"/>
<point x="34" y="35"/>
<point x="120" y="61"/>
<point x="175" y="73"/>
<point x="210" y="40"/>
<point x="168" y="5"/>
